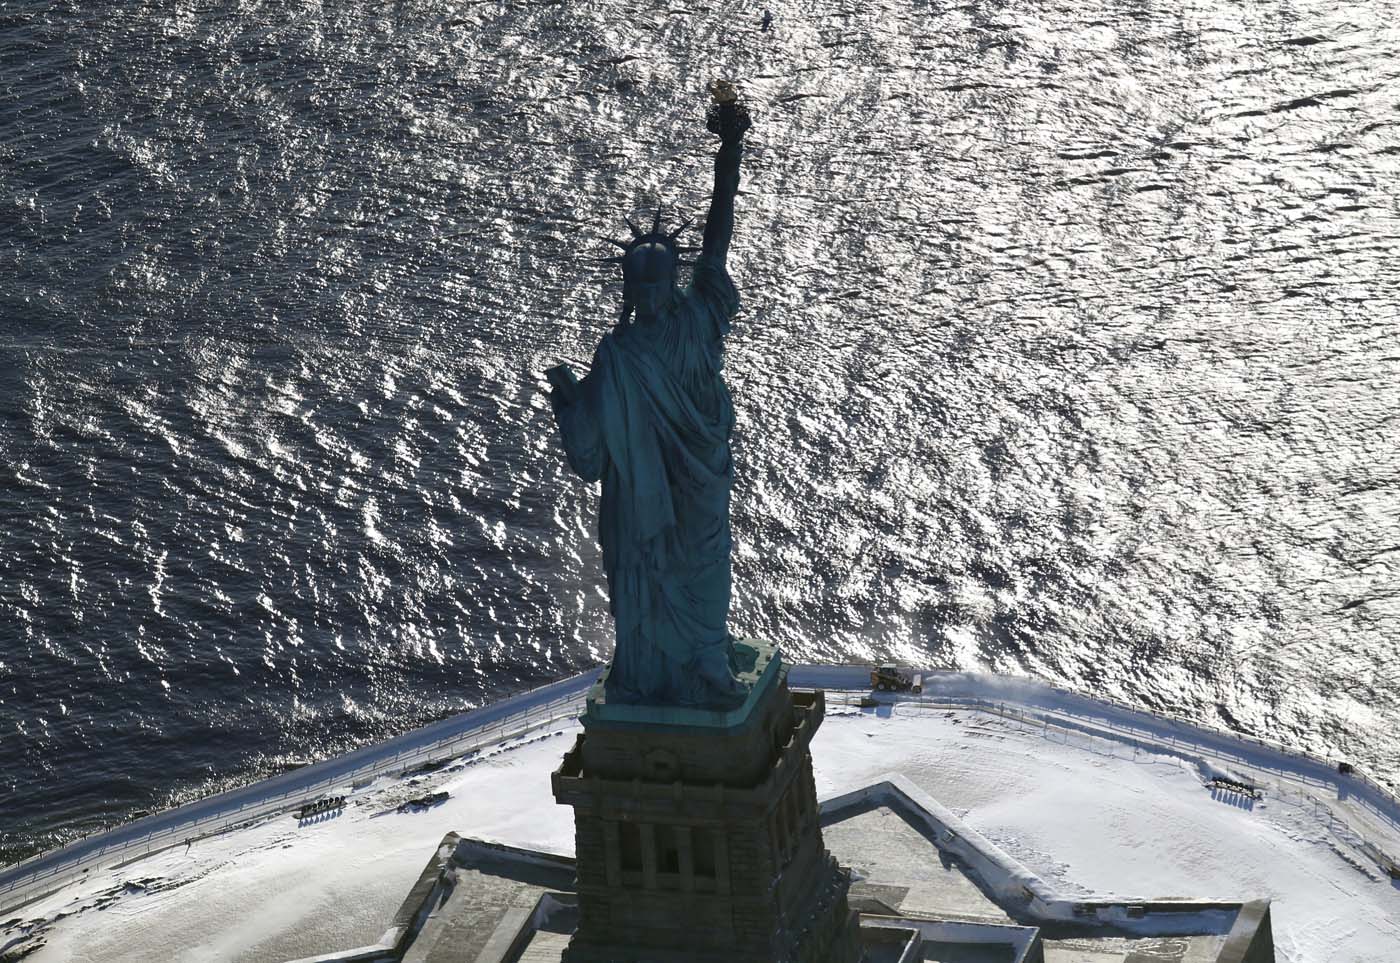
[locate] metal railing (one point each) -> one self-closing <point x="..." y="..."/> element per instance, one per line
<point x="42" y="873"/>
<point x="470" y="732"/>
<point x="1381" y="789"/>
<point x="1184" y="725"/>
<point x="1174" y="735"/>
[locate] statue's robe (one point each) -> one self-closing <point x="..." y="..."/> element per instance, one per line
<point x="652" y="421"/>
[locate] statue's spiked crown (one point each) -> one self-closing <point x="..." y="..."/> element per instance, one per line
<point x="650" y="257"/>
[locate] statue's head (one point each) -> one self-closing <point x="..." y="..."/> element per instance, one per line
<point x="649" y="263"/>
<point x="649" y="275"/>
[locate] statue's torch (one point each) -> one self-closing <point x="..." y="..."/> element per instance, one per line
<point x="726" y="116"/>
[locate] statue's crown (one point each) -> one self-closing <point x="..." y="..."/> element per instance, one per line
<point x="638" y="256"/>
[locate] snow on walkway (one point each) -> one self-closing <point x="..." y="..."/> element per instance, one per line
<point x="1086" y="813"/>
<point x="1096" y="817"/>
<point x="214" y="814"/>
<point x="282" y="890"/>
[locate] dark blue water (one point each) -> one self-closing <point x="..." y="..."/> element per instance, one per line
<point x="1069" y="348"/>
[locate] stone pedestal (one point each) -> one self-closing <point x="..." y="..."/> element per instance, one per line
<point x="698" y="836"/>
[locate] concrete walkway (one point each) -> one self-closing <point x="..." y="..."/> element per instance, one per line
<point x="1371" y="809"/>
<point x="36" y="877"/>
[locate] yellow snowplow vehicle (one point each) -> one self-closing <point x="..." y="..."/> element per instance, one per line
<point x="891" y="678"/>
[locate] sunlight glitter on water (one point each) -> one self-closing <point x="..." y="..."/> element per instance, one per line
<point x="1067" y="348"/>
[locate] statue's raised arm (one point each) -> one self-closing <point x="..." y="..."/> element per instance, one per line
<point x="728" y="118"/>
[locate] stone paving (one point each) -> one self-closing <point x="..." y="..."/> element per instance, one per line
<point x="889" y="855"/>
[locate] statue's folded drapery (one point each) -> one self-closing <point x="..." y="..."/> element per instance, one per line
<point x="652" y="421"/>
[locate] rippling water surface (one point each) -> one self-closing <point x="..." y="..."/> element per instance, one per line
<point x="1068" y="348"/>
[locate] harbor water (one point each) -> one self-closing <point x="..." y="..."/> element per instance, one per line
<point x="1068" y="349"/>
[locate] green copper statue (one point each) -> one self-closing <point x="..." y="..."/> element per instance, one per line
<point x="652" y="421"/>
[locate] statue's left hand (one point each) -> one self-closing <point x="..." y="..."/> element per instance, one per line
<point x="565" y="384"/>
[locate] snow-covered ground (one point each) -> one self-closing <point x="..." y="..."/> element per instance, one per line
<point x="282" y="889"/>
<point x="1095" y="816"/>
<point x="459" y="734"/>
<point x="1088" y="813"/>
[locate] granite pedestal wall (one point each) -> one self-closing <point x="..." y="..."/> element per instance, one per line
<point x="697" y="832"/>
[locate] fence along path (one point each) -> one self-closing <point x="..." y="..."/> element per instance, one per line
<point x="1023" y="699"/>
<point x="1034" y="698"/>
<point x="40" y="875"/>
<point x="1360" y="807"/>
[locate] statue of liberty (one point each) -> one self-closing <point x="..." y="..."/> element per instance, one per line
<point x="652" y="421"/>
